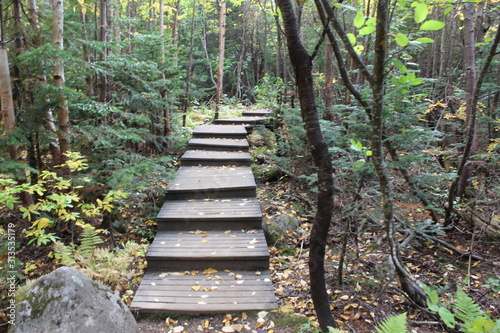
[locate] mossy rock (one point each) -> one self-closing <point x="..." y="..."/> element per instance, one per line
<point x="276" y="228"/>
<point x="261" y="136"/>
<point x="67" y="301"/>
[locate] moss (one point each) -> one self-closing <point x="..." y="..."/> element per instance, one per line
<point x="41" y="299"/>
<point x="292" y="322"/>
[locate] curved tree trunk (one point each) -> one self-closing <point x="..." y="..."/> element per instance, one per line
<point x="409" y="285"/>
<point x="301" y="62"/>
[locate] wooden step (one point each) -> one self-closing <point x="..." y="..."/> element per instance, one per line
<point x="220" y="131"/>
<point x="210" y="214"/>
<point x="219" y="144"/>
<point x="191" y="250"/>
<point x="256" y="113"/>
<point x="211" y="182"/>
<point x="204" y="292"/>
<point x="243" y="121"/>
<point x="217" y="158"/>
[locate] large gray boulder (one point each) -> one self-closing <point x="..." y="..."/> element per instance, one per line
<point x="66" y="301"/>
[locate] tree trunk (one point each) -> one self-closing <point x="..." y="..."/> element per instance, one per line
<point x="185" y="102"/>
<point x="408" y="283"/>
<point x="103" y="80"/>
<point x="469" y="32"/>
<point x="8" y="114"/>
<point x="220" y="67"/>
<point x="63" y="132"/>
<point x="301" y="62"/>
<point x="471" y="126"/>
<point x="329" y="82"/>
<point x="49" y="117"/>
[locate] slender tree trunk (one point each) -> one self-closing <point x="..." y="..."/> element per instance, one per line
<point x="63" y="132"/>
<point x="8" y="114"/>
<point x="469" y="32"/>
<point x="329" y="82"/>
<point x="175" y="32"/>
<point x="301" y="62"/>
<point x="185" y="102"/>
<point x="409" y="285"/>
<point x="49" y="117"/>
<point x="471" y="127"/>
<point x="162" y="30"/>
<point x="103" y="28"/>
<point x="220" y="68"/>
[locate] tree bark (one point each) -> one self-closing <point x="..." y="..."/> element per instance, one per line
<point x="409" y="285"/>
<point x="220" y="67"/>
<point x="8" y="114"/>
<point x="185" y="102"/>
<point x="329" y="82"/>
<point x="103" y="30"/>
<point x="63" y="132"/>
<point x="471" y="140"/>
<point x="301" y="62"/>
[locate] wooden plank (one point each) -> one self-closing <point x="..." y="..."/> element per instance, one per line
<point x="211" y="182"/>
<point x="201" y="292"/>
<point x="215" y="158"/>
<point x="173" y="250"/>
<point x="256" y="113"/>
<point x="219" y="144"/>
<point x="220" y="131"/>
<point x="243" y="121"/>
<point x="210" y="209"/>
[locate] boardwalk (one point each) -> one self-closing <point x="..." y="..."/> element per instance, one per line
<point x="210" y="254"/>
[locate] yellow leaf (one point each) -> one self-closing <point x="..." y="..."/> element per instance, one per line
<point x="210" y="271"/>
<point x="196" y="288"/>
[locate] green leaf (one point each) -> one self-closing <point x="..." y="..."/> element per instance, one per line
<point x="482" y="325"/>
<point x="393" y="324"/>
<point x="351" y="38"/>
<point x="421" y="11"/>
<point x="447" y="317"/>
<point x="369" y="153"/>
<point x="359" y="19"/>
<point x="341" y="5"/>
<point x="432" y="25"/>
<point x="371" y="21"/>
<point x="399" y="65"/>
<point x="433" y="295"/>
<point x="367" y="30"/>
<point x="359" y="163"/>
<point x="425" y="40"/>
<point x="448" y="10"/>
<point x="402" y="40"/>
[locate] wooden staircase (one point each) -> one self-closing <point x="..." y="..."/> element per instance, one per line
<point x="210" y="254"/>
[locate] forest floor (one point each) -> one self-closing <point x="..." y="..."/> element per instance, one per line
<point x="369" y="291"/>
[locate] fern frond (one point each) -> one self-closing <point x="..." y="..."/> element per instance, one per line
<point x="64" y="253"/>
<point x="90" y="239"/>
<point x="393" y="324"/>
<point x="466" y="309"/>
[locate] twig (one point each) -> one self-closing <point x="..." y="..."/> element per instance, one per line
<point x="453" y="248"/>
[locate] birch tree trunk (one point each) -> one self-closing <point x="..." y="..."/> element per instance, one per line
<point x="49" y="117"/>
<point x="220" y="67"/>
<point x="8" y="114"/>
<point x="63" y="130"/>
<point x="302" y="64"/>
